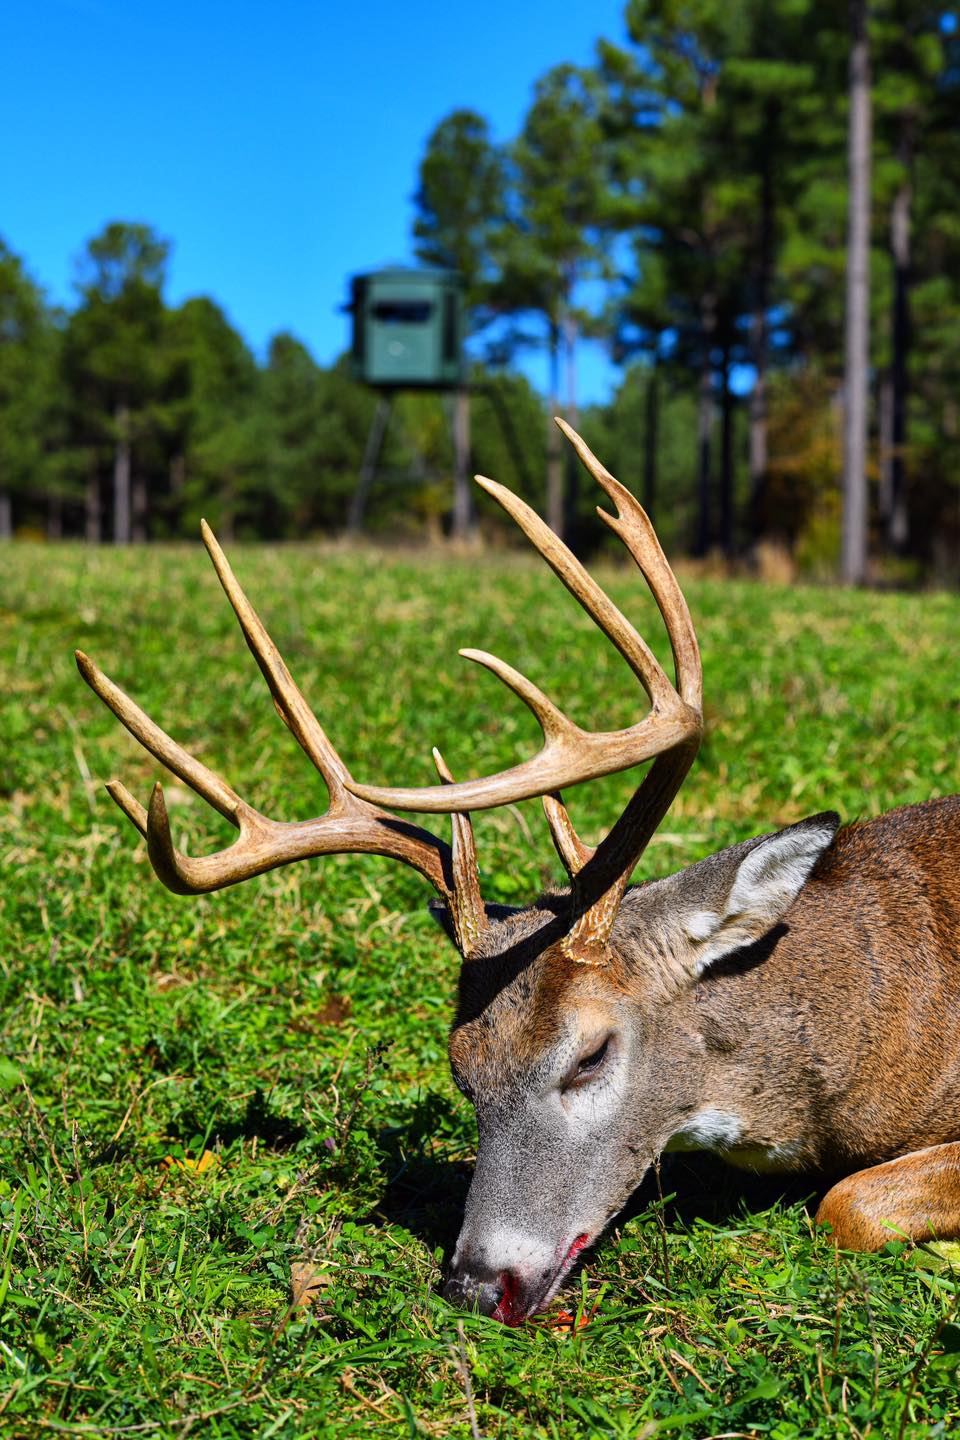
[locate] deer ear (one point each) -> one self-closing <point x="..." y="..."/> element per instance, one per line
<point x="762" y="881"/>
<point x="441" y="913"/>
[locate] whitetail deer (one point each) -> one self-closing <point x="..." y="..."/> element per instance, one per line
<point x="792" y="1003"/>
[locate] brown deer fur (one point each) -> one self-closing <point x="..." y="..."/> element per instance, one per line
<point x="845" y="1033"/>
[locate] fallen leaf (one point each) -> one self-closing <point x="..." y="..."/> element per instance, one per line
<point x="306" y="1282"/>
<point x="207" y="1161"/>
<point x="333" y="1012"/>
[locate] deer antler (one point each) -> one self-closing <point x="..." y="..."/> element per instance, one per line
<point x="669" y="734"/>
<point x="350" y="824"/>
<point x="354" y="822"/>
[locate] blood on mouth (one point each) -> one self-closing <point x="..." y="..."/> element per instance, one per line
<point x="508" y="1312"/>
<point x="575" y="1249"/>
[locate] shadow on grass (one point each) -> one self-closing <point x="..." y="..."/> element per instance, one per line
<point x="701" y="1186"/>
<point x="194" y="1129"/>
<point x="424" y="1193"/>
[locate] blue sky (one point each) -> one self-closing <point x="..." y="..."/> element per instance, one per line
<point x="275" y="145"/>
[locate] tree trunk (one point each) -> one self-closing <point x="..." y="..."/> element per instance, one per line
<point x="54" y="517"/>
<point x="650" y="440"/>
<point x="462" y="506"/>
<point x="571" y="334"/>
<point x="139" y="506"/>
<point x="121" y="478"/>
<point x="898" y="527"/>
<point x="6" y="516"/>
<point x="857" y="339"/>
<point x="758" y="418"/>
<point x="178" y="476"/>
<point x="759" y="330"/>
<point x="705" y="422"/>
<point x="570" y="337"/>
<point x="554" y="455"/>
<point x="92" y="506"/>
<point x="228" y="518"/>
<point x="177" y="479"/>
<point x="726" y="458"/>
<point x="885" y="448"/>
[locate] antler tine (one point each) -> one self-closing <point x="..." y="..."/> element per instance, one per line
<point x="132" y="808"/>
<point x="553" y="722"/>
<point x="567" y="843"/>
<point x="208" y="785"/>
<point x="287" y="695"/>
<point x="466" y="902"/>
<point x="632" y="525"/>
<point x="586" y="592"/>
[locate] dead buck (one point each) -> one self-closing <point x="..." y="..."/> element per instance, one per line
<point x="791" y="1003"/>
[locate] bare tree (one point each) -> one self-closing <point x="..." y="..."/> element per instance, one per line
<point x="897" y="517"/>
<point x="854" y="558"/>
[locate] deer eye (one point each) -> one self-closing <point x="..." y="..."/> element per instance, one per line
<point x="594" y="1061"/>
<point x="588" y="1065"/>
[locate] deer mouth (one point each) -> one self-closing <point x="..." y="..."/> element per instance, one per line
<point x="563" y="1270"/>
<point x="514" y="1308"/>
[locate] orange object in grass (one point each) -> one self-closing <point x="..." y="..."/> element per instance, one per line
<point x="566" y="1322"/>
<point x="207" y="1161"/>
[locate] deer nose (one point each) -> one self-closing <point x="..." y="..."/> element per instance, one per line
<point x="475" y="1292"/>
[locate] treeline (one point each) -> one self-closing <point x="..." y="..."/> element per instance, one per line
<point x="689" y="198"/>
<point x="687" y="201"/>
<point x="126" y="419"/>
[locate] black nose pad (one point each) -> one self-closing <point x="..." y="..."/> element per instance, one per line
<point x="469" y="1292"/>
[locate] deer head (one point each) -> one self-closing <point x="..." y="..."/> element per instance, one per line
<point x="573" y="1037"/>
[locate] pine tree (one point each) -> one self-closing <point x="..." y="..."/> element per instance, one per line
<point x="115" y="360"/>
<point x="28" y="395"/>
<point x="459" y="204"/>
<point x="218" y="466"/>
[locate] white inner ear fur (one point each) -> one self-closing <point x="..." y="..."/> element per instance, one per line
<point x="766" y="883"/>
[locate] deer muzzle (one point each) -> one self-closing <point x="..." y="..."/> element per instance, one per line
<point x="520" y="1281"/>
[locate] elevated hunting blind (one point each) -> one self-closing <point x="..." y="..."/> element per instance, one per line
<point x="408" y="328"/>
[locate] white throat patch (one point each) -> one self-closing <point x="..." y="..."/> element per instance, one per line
<point x="708" y="1129"/>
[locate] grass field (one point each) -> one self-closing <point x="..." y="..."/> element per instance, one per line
<point x="292" y="1030"/>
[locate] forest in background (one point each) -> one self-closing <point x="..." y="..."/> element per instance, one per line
<point x="687" y="200"/>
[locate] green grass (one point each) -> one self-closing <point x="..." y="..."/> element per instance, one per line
<point x="295" y="1026"/>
